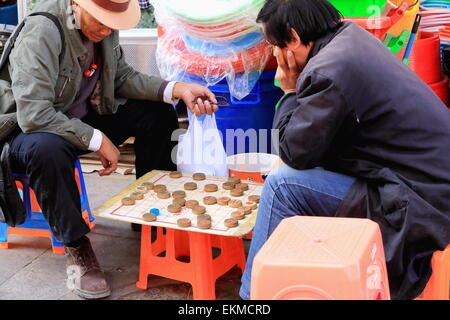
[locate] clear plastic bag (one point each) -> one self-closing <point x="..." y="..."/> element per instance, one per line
<point x="201" y="149"/>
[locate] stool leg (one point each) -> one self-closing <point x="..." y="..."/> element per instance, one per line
<point x="57" y="247"/>
<point x="204" y="284"/>
<point x="83" y="194"/>
<point x="235" y="247"/>
<point x="181" y="243"/>
<point x="440" y="276"/>
<point x="3" y="236"/>
<point x="159" y="245"/>
<point x="170" y="243"/>
<point x="145" y="251"/>
<point x="86" y="218"/>
<point x="239" y="245"/>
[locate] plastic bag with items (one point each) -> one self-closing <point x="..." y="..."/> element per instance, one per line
<point x="201" y="148"/>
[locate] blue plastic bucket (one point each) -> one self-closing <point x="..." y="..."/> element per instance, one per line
<point x="8" y="14"/>
<point x="246" y="125"/>
<point x="208" y="48"/>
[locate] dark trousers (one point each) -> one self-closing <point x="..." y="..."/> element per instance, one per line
<point x="49" y="160"/>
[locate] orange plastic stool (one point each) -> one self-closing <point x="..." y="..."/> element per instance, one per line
<point x="320" y="258"/>
<point x="438" y="287"/>
<point x="35" y="225"/>
<point x="160" y="258"/>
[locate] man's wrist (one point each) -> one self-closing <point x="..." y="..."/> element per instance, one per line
<point x="96" y="141"/>
<point x="169" y="93"/>
<point x="174" y="93"/>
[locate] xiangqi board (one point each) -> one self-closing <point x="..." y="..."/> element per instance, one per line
<point x="219" y="210"/>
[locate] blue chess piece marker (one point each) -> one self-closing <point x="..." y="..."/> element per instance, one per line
<point x="154" y="211"/>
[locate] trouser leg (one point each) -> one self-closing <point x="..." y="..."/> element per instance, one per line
<point x="288" y="192"/>
<point x="151" y="123"/>
<point x="49" y="160"/>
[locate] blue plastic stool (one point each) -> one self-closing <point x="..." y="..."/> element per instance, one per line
<point x="35" y="223"/>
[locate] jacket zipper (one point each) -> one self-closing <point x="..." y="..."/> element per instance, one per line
<point x="64" y="86"/>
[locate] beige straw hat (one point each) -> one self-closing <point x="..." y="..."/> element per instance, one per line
<point x="116" y="14"/>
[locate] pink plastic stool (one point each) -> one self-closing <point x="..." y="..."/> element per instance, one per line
<point x="320" y="258"/>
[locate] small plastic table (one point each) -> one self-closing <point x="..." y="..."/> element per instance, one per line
<point x="161" y="255"/>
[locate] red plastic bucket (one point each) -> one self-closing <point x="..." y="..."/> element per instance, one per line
<point x="425" y="57"/>
<point x="378" y="26"/>
<point x="441" y="89"/>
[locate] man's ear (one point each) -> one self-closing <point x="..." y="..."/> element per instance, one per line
<point x="295" y="42"/>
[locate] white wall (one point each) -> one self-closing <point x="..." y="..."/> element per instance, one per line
<point x="139" y="46"/>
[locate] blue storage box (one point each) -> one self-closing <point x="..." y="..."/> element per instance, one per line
<point x="8" y="14"/>
<point x="246" y="124"/>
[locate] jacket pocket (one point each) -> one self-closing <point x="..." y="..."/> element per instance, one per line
<point x="7" y="102"/>
<point x="117" y="51"/>
<point x="397" y="218"/>
<point x="63" y="85"/>
<point x="395" y="202"/>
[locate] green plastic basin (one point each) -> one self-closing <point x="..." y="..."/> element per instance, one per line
<point x="206" y="12"/>
<point x="359" y="8"/>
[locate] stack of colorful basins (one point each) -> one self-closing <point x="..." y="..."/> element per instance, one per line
<point x="435" y="23"/>
<point x="212" y="40"/>
<point x="436" y="18"/>
<point x="218" y="43"/>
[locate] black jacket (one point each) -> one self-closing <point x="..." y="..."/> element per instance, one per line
<point x="359" y="111"/>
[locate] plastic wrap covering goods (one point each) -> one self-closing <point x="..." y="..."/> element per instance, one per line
<point x="212" y="40"/>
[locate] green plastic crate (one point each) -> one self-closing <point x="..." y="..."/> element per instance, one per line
<point x="359" y="8"/>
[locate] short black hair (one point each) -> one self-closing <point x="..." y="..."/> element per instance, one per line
<point x="311" y="19"/>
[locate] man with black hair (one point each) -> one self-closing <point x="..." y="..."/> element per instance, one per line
<point x="360" y="135"/>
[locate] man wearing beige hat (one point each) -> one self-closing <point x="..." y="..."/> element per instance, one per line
<point x="66" y="90"/>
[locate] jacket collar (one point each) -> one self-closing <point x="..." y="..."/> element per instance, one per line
<point x="320" y="43"/>
<point x="73" y="34"/>
<point x="63" y="10"/>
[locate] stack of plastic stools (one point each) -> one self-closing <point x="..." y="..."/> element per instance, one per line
<point x="438" y="287"/>
<point x="35" y="223"/>
<point x="162" y="257"/>
<point x="321" y="258"/>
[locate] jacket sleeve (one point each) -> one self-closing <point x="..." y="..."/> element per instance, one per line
<point x="309" y="120"/>
<point x="34" y="69"/>
<point x="132" y="84"/>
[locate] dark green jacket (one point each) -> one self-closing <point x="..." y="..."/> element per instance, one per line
<point x="35" y="91"/>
